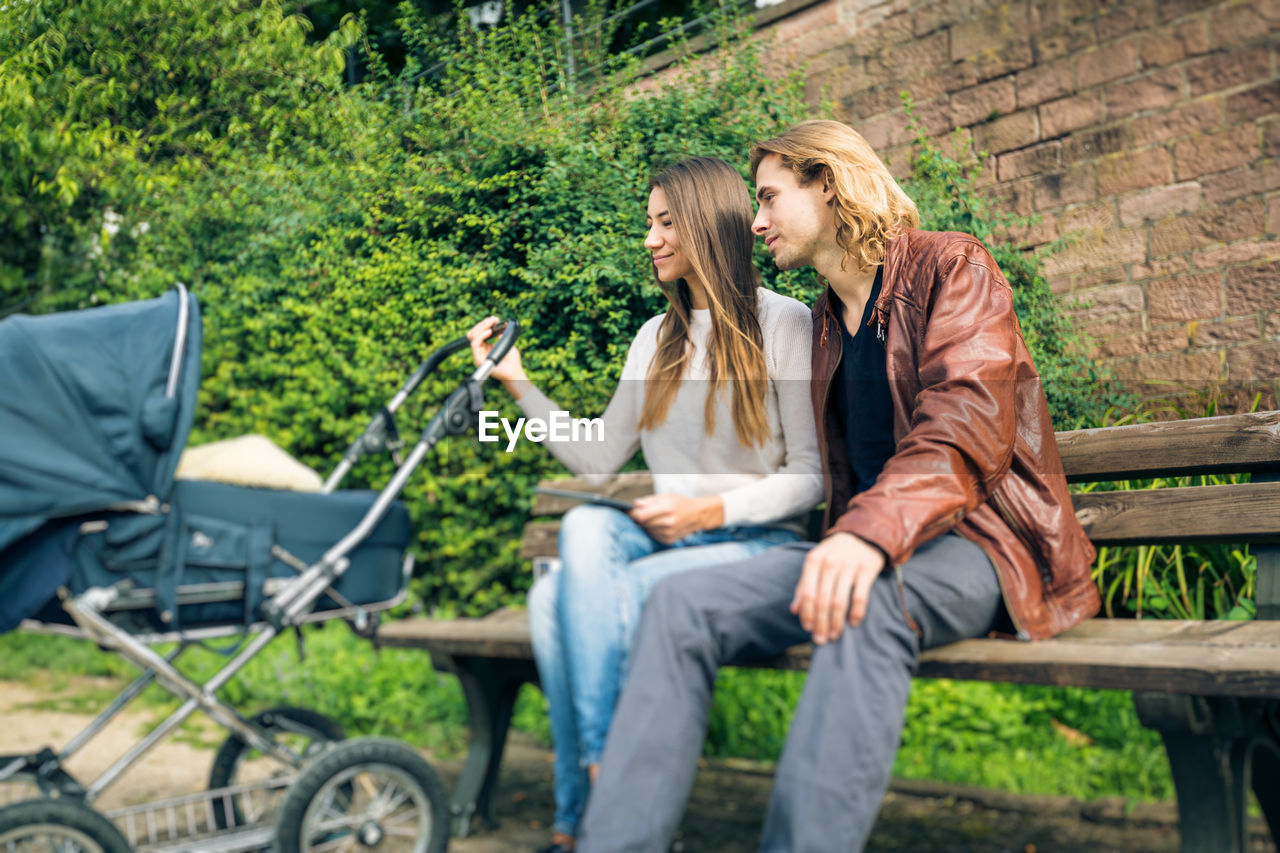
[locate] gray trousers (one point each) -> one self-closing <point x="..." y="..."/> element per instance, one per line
<point x="836" y="764"/>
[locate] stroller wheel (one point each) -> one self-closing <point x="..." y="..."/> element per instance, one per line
<point x="368" y="793"/>
<point x="64" y="825"/>
<point x="302" y="730"/>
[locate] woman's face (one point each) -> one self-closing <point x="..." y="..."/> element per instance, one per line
<point x="669" y="261"/>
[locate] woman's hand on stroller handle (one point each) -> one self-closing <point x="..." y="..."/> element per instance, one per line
<point x="509" y="370"/>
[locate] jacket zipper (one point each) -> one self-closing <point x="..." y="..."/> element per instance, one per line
<point x="826" y="398"/>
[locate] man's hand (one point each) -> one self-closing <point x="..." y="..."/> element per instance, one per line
<point x="670" y="518"/>
<point x="839" y="566"/>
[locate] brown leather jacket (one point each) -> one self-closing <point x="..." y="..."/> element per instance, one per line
<point x="975" y="450"/>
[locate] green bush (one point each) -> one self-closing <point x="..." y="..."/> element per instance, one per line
<point x="335" y="236"/>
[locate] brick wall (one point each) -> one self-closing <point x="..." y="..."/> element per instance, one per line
<point x="1145" y="130"/>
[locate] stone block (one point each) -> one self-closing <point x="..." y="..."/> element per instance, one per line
<point x="1008" y="132"/>
<point x="884" y="131"/>
<point x="999" y="61"/>
<point x="1127" y="326"/>
<point x="1031" y="234"/>
<point x="1216" y="152"/>
<point x="983" y="102"/>
<point x="1125" y="19"/>
<point x="1253" y="288"/>
<point x="1223" y="224"/>
<point x="1272" y="326"/>
<point x="1273" y="217"/>
<point x="1093" y="277"/>
<point x="937" y="14"/>
<point x="1162" y="340"/>
<point x="1270" y="138"/>
<point x="1151" y="167"/>
<point x="1016" y="196"/>
<point x="1225" y="332"/>
<point x="1174" y="43"/>
<point x="1035" y="160"/>
<point x="1241" y="182"/>
<point x="1005" y="23"/>
<point x="1157" y="372"/>
<point x="1186" y="120"/>
<point x="1228" y="70"/>
<point x="1254" y="103"/>
<point x="1160" y="267"/>
<point x="885" y="99"/>
<point x="1044" y="83"/>
<point x="1108" y="303"/>
<point x="1233" y="254"/>
<point x="1097" y="143"/>
<point x="1237" y="253"/>
<point x="1254" y="363"/>
<point x="803" y="24"/>
<point x="950" y="78"/>
<point x="1108" y="249"/>
<point x="1188" y="297"/>
<point x="914" y="58"/>
<point x="1063" y="41"/>
<point x="1239" y="23"/>
<point x="1105" y="64"/>
<point x="1074" y="185"/>
<point x="1062" y="116"/>
<point x="1153" y="91"/>
<point x="1161" y="202"/>
<point x="1098" y="216"/>
<point x="1171" y="10"/>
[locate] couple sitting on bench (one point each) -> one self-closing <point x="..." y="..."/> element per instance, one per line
<point x="907" y="399"/>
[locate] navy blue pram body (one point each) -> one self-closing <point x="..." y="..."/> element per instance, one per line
<point x="95" y="409"/>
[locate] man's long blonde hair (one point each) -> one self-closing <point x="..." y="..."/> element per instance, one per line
<point x="710" y="209"/>
<point x="870" y="207"/>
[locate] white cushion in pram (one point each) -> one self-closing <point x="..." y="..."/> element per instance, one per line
<point x="250" y="460"/>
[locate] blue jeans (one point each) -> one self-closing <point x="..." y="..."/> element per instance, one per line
<point x="582" y="619"/>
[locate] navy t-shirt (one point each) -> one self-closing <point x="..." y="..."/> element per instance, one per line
<point x="861" y="386"/>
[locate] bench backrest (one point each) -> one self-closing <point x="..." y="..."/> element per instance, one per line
<point x="1243" y="513"/>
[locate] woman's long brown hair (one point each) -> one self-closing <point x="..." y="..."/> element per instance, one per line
<point x="710" y="209"/>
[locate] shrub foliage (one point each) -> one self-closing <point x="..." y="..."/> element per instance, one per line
<point x="336" y="235"/>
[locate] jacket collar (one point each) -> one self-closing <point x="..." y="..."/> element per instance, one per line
<point x="895" y="253"/>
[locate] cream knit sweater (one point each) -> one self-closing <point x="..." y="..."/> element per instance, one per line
<point x="767" y="484"/>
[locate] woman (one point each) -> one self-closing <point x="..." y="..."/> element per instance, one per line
<point x="715" y="392"/>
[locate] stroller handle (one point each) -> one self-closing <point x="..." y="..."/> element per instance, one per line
<point x="508" y="330"/>
<point x="381" y="433"/>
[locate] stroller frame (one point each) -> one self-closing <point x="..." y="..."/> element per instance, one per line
<point x="290" y="604"/>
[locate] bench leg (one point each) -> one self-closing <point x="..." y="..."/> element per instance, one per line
<point x="1266" y="772"/>
<point x="1212" y="743"/>
<point x="490" y="686"/>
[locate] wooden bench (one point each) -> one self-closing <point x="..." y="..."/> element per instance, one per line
<point x="1212" y="688"/>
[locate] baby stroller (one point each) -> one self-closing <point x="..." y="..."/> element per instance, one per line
<point x="98" y="539"/>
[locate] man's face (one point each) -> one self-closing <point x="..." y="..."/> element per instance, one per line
<point x="793" y="220"/>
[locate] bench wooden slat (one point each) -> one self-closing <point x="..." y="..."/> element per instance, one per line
<point x="1206" y="658"/>
<point x="1226" y="443"/>
<point x="1244" y="513"/>
<point x="1221" y="444"/>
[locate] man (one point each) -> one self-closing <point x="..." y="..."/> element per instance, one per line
<point x="947" y="515"/>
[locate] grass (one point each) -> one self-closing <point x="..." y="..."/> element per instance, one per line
<point x="1083" y="743"/>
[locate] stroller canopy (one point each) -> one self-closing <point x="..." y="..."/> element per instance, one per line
<point x="95" y="408"/>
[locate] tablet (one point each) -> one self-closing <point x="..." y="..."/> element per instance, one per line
<point x="585" y="497"/>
